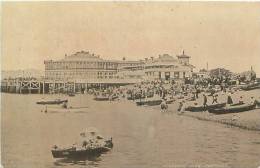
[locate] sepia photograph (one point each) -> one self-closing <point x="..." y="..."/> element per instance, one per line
<point x="130" y="84"/>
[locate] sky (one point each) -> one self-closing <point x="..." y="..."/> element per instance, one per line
<point x="224" y="34"/>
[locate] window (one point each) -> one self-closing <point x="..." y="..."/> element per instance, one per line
<point x="176" y="74"/>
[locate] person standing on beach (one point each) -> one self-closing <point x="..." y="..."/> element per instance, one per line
<point x="205" y="102"/>
<point x="229" y="99"/>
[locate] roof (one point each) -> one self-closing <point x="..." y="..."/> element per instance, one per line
<point x="183" y="56"/>
<point x="82" y="56"/>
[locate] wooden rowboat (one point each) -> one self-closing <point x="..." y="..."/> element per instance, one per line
<point x="202" y="108"/>
<point x="149" y="102"/>
<point x="51" y="102"/>
<point x="233" y="109"/>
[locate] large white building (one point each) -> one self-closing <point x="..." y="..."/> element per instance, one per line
<point x="86" y="67"/>
<point x="90" y="68"/>
<point x="165" y="67"/>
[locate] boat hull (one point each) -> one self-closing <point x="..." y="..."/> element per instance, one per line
<point x="82" y="153"/>
<point x="54" y="102"/>
<point x="149" y="103"/>
<point x="233" y="109"/>
<point x="79" y="153"/>
<point x="201" y="108"/>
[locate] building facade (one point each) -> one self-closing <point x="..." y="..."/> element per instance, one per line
<point x="165" y="67"/>
<point x="84" y="66"/>
<point x="90" y="68"/>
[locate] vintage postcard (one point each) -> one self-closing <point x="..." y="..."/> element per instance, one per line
<point x="130" y="84"/>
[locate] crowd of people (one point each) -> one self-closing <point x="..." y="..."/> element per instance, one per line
<point x="187" y="90"/>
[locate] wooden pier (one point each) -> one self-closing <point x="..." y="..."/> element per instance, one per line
<point x="45" y="86"/>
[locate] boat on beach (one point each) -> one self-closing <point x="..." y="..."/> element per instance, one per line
<point x="149" y="102"/>
<point x="202" y="108"/>
<point x="51" y="102"/>
<point x="105" y="97"/>
<point x="233" y="108"/>
<point x="91" y="145"/>
<point x="251" y="86"/>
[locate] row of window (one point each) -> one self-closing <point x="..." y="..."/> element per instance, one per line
<point x="80" y="65"/>
<point x="80" y="74"/>
<point x="84" y="65"/>
<point x="175" y="74"/>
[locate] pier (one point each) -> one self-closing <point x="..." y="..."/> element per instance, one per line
<point x="47" y="86"/>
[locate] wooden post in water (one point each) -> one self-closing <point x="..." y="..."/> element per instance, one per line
<point x="74" y="87"/>
<point x="20" y="89"/>
<point x="30" y="85"/>
<point x="43" y="87"/>
<point x="39" y="85"/>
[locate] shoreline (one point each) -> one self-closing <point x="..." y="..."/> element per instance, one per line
<point x="238" y="120"/>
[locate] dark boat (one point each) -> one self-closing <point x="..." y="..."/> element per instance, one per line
<point x="233" y="109"/>
<point x="81" y="153"/>
<point x="52" y="102"/>
<point x="149" y="102"/>
<point x="251" y="86"/>
<point x="139" y="96"/>
<point x="201" y="108"/>
<point x="105" y="97"/>
<point x="90" y="148"/>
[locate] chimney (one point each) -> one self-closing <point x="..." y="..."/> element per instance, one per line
<point x="123" y="58"/>
<point x="146" y="59"/>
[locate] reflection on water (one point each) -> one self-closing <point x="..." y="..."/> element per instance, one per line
<point x="143" y="136"/>
<point x="93" y="161"/>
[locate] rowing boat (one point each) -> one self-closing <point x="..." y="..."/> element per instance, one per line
<point x="202" y="108"/>
<point x="51" y="102"/>
<point x="233" y="109"/>
<point x="154" y="102"/>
